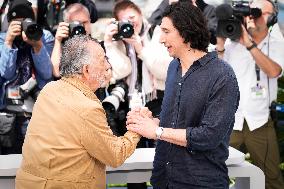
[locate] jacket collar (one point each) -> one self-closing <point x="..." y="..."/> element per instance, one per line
<point x="80" y="85"/>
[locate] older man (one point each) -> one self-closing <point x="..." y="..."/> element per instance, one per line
<point x="69" y="142"/>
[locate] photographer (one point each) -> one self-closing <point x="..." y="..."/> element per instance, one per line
<point x="74" y="12"/>
<point x="25" y="56"/>
<point x="258" y="61"/>
<point x="137" y="58"/>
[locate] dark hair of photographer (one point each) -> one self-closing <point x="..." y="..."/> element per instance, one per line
<point x="196" y="31"/>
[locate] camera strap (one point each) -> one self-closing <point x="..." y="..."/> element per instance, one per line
<point x="257" y="72"/>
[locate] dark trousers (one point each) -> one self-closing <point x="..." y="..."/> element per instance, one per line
<point x="264" y="152"/>
<point x="20" y="129"/>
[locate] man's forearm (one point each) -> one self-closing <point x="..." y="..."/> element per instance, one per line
<point x="271" y="68"/>
<point x="175" y="136"/>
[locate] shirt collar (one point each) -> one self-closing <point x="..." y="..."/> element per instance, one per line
<point x="80" y="85"/>
<point x="206" y="58"/>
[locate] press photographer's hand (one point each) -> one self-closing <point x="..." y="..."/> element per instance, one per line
<point x="14" y="30"/>
<point x="111" y="29"/>
<point x="245" y="38"/>
<point x="62" y="31"/>
<point x="136" y="41"/>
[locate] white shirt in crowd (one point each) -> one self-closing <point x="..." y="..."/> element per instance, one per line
<point x="254" y="109"/>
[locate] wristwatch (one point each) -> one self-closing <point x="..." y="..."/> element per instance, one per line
<point x="252" y="46"/>
<point x="159" y="131"/>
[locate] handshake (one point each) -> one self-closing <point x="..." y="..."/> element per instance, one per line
<point x="141" y="121"/>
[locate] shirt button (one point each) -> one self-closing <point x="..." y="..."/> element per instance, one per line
<point x="168" y="163"/>
<point x="179" y="84"/>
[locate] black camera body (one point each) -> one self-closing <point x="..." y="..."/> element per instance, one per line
<point x="231" y="28"/>
<point x="76" y="28"/>
<point x="125" y="30"/>
<point x="32" y="30"/>
<point x="231" y="18"/>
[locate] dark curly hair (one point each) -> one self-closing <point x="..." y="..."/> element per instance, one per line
<point x="190" y="23"/>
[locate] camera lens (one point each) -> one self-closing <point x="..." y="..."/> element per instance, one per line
<point x="32" y="29"/>
<point x="76" y="28"/>
<point x="126" y="30"/>
<point x="230" y="28"/>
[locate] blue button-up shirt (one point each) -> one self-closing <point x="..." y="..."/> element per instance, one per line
<point x="42" y="63"/>
<point x="203" y="102"/>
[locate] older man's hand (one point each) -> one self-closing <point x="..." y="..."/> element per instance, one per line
<point x="142" y="125"/>
<point x="143" y="111"/>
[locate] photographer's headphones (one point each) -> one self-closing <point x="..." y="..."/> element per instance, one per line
<point x="273" y="18"/>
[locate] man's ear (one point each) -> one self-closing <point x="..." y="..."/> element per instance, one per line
<point x="85" y="71"/>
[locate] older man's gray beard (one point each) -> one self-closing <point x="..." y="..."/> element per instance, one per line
<point x="100" y="78"/>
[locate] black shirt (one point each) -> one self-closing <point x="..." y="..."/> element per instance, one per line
<point x="203" y="102"/>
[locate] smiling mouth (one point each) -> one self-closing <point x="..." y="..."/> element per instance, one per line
<point x="168" y="47"/>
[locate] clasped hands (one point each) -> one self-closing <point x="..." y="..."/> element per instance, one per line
<point x="141" y="121"/>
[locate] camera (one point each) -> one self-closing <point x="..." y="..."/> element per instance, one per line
<point x="117" y="94"/>
<point x="125" y="30"/>
<point x="231" y="18"/>
<point x="21" y="99"/>
<point x="76" y="28"/>
<point x="32" y="30"/>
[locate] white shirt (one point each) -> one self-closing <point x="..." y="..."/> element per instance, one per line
<point x="254" y="111"/>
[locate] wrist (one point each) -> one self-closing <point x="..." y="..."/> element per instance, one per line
<point x="220" y="50"/>
<point x="159" y="131"/>
<point x="251" y="46"/>
<point x="8" y="43"/>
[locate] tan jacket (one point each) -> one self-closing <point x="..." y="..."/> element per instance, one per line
<point x="69" y="143"/>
